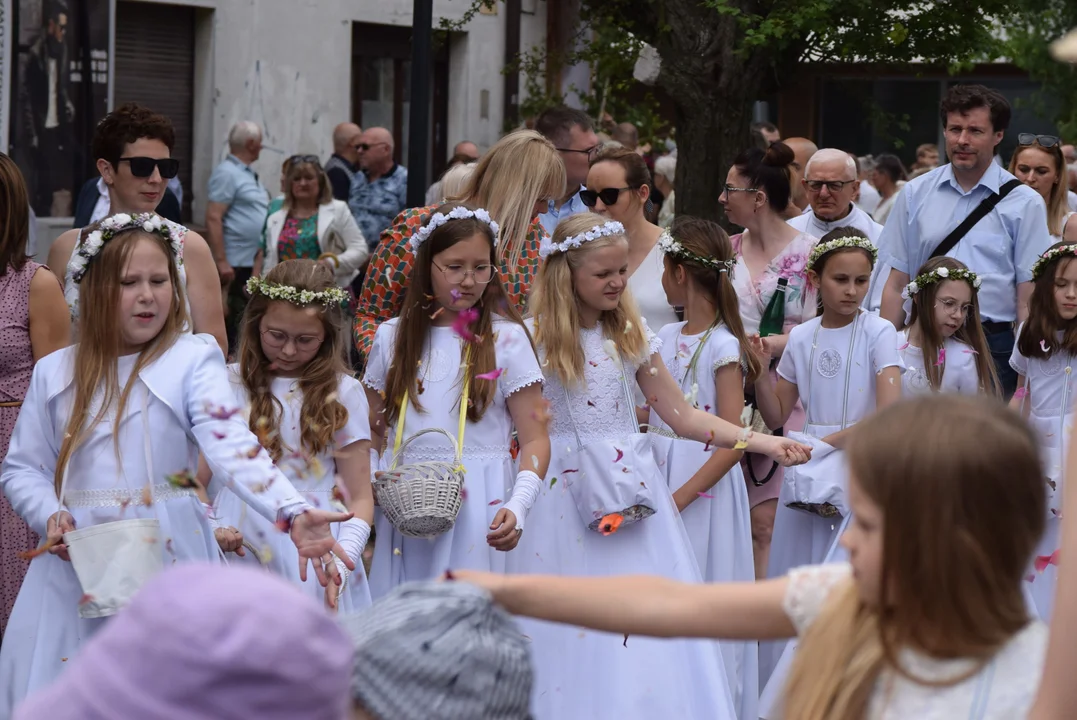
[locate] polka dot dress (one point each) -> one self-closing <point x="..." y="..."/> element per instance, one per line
<point x="16" y="367"/>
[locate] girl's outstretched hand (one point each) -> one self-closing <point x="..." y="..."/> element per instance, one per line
<point x="312" y="533"/>
<point x="493" y="583"/>
<point x="787" y="452"/>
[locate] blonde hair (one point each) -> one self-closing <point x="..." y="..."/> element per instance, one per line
<point x="519" y="170"/>
<point x="322" y="414"/>
<point x="1057" y="201"/>
<point x="293" y="170"/>
<point x="100" y="339"/>
<point x="960" y="484"/>
<point x="557" y="320"/>
<point x="455" y="180"/>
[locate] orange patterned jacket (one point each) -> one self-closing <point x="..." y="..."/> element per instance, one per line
<point x="390" y="267"/>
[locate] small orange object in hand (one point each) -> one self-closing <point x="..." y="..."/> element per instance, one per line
<point x="609" y="524"/>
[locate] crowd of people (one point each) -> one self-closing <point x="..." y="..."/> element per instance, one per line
<point x="542" y="447"/>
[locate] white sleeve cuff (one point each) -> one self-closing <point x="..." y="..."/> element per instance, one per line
<point x="524" y="494"/>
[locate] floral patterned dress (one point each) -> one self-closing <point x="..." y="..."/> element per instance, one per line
<point x="390" y="267"/>
<point x="298" y="239"/>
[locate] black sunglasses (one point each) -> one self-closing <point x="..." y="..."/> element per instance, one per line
<point x="142" y="167"/>
<point x="366" y="146"/>
<point x="608" y="196"/>
<point x="1047" y="141"/>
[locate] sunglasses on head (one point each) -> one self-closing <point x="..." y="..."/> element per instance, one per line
<point x="608" y="196"/>
<point x="305" y="159"/>
<point x="1047" y="141"/>
<point x="142" y="167"/>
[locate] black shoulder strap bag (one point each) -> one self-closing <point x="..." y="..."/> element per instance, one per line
<point x="987" y="205"/>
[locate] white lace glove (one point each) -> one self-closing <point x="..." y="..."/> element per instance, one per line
<point x="353" y="537"/>
<point x="524" y="494"/>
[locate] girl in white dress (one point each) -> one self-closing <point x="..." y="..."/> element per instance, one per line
<point x="447" y="355"/>
<point x="594" y="349"/>
<point x="944" y="325"/>
<point x="947" y="494"/>
<point x="841" y="365"/>
<point x="111" y="431"/>
<point x="309" y="414"/>
<point x="1044" y="360"/>
<point x="708" y="355"/>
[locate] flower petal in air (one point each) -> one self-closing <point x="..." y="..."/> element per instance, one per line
<point x="492" y="375"/>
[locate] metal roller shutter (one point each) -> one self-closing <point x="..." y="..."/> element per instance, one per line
<point x="155" y="67"/>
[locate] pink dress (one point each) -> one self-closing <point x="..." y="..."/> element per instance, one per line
<point x="16" y="366"/>
<point x="754" y="295"/>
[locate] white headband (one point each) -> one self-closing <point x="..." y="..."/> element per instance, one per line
<point x="611" y="227"/>
<point x="457" y="213"/>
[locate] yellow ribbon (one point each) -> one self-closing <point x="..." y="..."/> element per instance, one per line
<point x="462" y="423"/>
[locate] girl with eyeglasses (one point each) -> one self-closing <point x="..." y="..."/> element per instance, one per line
<point x="1038" y="163"/>
<point x="458" y="358"/>
<point x="309" y="414"/>
<point x="944" y="348"/>
<point x="133" y="147"/>
<point x="312" y="224"/>
<point x="1044" y="360"/>
<point x="618" y="187"/>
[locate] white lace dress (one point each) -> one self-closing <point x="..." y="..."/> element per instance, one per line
<point x="582" y="673"/>
<point x="490" y="472"/>
<point x="959" y="374"/>
<point x="720" y="526"/>
<point x="1004" y="689"/>
<point x="1050" y="386"/>
<point x="314" y="478"/>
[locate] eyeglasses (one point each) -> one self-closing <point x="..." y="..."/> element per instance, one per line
<point x="834" y="186"/>
<point x="591" y="152"/>
<point x="1046" y="141"/>
<point x="456" y="274"/>
<point x="313" y="159"/>
<point x="366" y="146"/>
<point x="142" y="167"/>
<point x="303" y="343"/>
<point x="608" y="196"/>
<point x="953" y="307"/>
<point x="729" y="189"/>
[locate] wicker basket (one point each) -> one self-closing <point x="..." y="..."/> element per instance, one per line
<point x="422" y="499"/>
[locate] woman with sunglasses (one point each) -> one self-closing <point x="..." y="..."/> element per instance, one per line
<point x="618" y="186"/>
<point x="133" y="146"/>
<point x="1038" y="163"/>
<point x="311" y="224"/>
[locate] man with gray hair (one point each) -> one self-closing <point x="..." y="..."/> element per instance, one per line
<point x="380" y="189"/>
<point x="831" y="182"/>
<point x="235" y="216"/>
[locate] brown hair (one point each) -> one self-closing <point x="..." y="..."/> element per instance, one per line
<point x="305" y="168"/>
<point x="95" y="356"/>
<point x="126" y="124"/>
<point x="636" y="173"/>
<point x="971" y="331"/>
<point x="322" y="415"/>
<point x="820" y="263"/>
<point x="1044" y="322"/>
<point x="707" y="239"/>
<point x="965" y="97"/>
<point x="14" y="216"/>
<point x="769" y="170"/>
<point x="960" y="484"/>
<point x="415" y="322"/>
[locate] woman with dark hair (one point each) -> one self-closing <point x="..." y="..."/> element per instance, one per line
<point x="771" y="256"/>
<point x="888" y="178"/>
<point x="33" y="323"/>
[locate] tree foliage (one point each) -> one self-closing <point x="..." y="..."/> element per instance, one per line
<point x="1035" y="25"/>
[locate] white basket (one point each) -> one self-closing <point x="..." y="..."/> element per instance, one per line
<point x="422" y="499"/>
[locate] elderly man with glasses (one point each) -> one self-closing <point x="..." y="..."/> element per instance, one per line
<point x="380" y="189"/>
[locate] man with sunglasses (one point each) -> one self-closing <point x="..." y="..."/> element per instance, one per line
<point x="380" y="190"/>
<point x="975" y="211"/>
<point x="573" y="134"/>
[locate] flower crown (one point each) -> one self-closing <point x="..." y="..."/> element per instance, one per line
<point x="1053" y="254"/>
<point x="457" y="213"/>
<point x="854" y="241"/>
<point x="668" y="245"/>
<point x="288" y="293"/>
<point x="90" y="246"/>
<point x="941" y="273"/>
<point x="611" y="227"/>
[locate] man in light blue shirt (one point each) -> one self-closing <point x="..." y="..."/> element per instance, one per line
<point x="235" y="215"/>
<point x="572" y="133"/>
<point x="1001" y="248"/>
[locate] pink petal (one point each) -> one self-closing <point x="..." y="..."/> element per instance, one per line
<point x="970" y="351"/>
<point x="942" y="357"/>
<point x="494" y="502"/>
<point x="705" y="495"/>
<point x="903" y="346"/>
<point x="1044" y="346"/>
<point x="1021" y="392"/>
<point x="492" y="375"/>
<point x="620" y="454"/>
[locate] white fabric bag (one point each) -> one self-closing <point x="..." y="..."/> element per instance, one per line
<point x="817" y="486"/>
<point x="113" y="560"/>
<point x="611" y="486"/>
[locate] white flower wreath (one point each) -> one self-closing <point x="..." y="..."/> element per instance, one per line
<point x="854" y="241"/>
<point x="942" y="273"/>
<point x="1052" y="254"/>
<point x="90" y="246"/>
<point x="457" y="213"/>
<point x="669" y="245"/>
<point x="611" y="227"/>
<point x="289" y="293"/>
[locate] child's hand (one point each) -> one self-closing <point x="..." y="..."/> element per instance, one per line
<point x="230" y="540"/>
<point x="504" y="535"/>
<point x="787" y="452"/>
<point x="59" y="524"/>
<point x="761" y="349"/>
<point x="336" y="583"/>
<point x="493" y="583"/>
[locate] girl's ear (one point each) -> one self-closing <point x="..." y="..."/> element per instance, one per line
<point x="680" y="275"/>
<point x="814" y="279"/>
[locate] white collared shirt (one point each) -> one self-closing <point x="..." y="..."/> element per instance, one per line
<point x="1001" y="248"/>
<point x="554" y="215"/>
